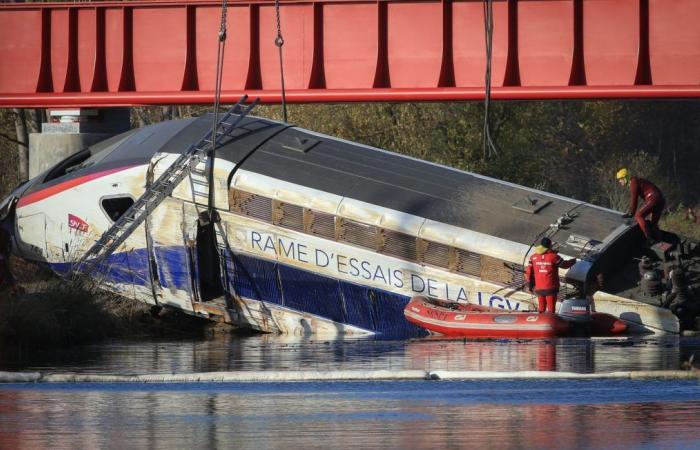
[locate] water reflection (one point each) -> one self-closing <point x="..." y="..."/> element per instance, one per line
<point x="417" y="414"/>
<point x="268" y="352"/>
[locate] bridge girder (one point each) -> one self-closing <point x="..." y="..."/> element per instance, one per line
<point x="164" y="52"/>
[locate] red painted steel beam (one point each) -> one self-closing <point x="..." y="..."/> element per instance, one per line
<point x="164" y="52"/>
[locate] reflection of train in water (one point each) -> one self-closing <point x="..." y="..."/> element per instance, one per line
<point x="318" y="234"/>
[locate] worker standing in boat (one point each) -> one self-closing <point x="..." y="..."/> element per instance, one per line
<point x="542" y="275"/>
<point x="654" y="203"/>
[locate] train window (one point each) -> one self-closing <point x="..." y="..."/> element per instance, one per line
<point x="65" y="166"/>
<point x="115" y="207"/>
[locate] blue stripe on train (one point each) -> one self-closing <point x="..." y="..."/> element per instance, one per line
<point x="132" y="267"/>
<point x="341" y="301"/>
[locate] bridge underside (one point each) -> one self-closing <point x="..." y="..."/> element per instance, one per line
<point x="161" y="52"/>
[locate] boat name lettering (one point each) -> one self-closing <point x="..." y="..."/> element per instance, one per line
<point x="436" y="314"/>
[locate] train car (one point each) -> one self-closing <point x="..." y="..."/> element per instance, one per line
<point x="316" y="234"/>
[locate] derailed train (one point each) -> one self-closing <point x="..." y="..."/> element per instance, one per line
<point x="321" y="235"/>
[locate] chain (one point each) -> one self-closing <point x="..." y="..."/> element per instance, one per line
<point x="217" y="101"/>
<point x="489" y="146"/>
<point x="279" y="42"/>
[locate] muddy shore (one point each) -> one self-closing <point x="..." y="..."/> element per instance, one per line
<point x="49" y="312"/>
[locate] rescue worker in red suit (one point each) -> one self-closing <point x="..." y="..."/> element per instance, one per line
<point x="654" y="203"/>
<point x="542" y="275"/>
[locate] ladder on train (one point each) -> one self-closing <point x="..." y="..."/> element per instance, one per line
<point x="160" y="189"/>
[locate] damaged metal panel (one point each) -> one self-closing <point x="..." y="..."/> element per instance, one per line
<point x="189" y="239"/>
<point x="171" y="255"/>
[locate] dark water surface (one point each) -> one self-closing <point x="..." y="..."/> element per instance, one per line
<point x="348" y="415"/>
<point x="269" y="352"/>
<point x="392" y="414"/>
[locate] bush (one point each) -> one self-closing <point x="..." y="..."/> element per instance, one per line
<point x="680" y="221"/>
<point x="59" y="314"/>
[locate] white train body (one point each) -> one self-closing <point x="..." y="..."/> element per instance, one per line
<point x="331" y="237"/>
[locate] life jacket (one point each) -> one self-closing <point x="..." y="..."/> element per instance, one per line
<point x="543" y="270"/>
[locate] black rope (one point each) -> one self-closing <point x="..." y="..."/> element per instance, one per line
<point x="490" y="148"/>
<point x="279" y="42"/>
<point x="217" y="101"/>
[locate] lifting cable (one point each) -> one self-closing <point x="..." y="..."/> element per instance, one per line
<point x="490" y="148"/>
<point x="217" y="102"/>
<point x="279" y="42"/>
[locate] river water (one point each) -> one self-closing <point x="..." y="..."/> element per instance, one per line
<point x="388" y="414"/>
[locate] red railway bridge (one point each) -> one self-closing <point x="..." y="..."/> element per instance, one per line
<point x="164" y="52"/>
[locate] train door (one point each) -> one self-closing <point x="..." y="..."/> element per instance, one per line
<point x="205" y="261"/>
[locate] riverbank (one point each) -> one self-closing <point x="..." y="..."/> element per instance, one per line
<point x="53" y="313"/>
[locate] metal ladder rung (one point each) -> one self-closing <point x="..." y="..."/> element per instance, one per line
<point x="160" y="189"/>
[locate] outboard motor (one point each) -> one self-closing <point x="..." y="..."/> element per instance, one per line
<point x="577" y="311"/>
<point x="650" y="282"/>
<point x="682" y="300"/>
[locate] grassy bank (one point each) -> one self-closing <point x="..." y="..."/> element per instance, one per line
<point x="53" y="313"/>
<point x="680" y="221"/>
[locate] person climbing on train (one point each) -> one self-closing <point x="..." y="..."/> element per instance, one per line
<point x="542" y="275"/>
<point x="653" y="205"/>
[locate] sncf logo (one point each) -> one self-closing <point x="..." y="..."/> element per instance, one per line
<point x="77" y="223"/>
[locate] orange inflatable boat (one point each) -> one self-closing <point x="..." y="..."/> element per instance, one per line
<point x="466" y="320"/>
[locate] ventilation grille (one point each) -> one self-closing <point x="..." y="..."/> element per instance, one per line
<point x="468" y="263"/>
<point x="399" y="244"/>
<point x="251" y="205"/>
<point x="358" y="234"/>
<point x="289" y="216"/>
<point x="517" y="276"/>
<point x="320" y="224"/>
<point x="388" y="242"/>
<point x="436" y="254"/>
<point x="493" y="269"/>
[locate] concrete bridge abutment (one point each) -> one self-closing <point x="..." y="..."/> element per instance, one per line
<point x="69" y="131"/>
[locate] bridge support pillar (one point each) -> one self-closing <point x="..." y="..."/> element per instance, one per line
<point x="70" y="130"/>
